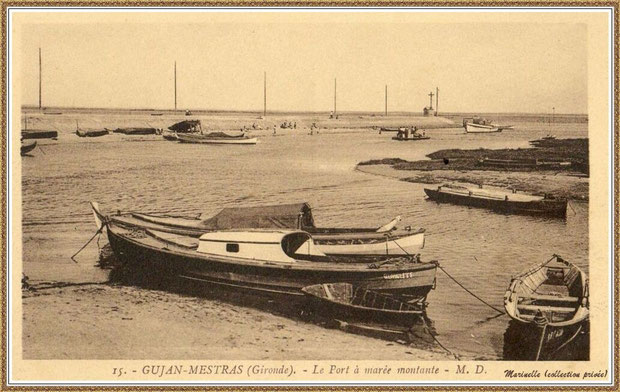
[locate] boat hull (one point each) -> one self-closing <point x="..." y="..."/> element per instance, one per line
<point x="411" y="283"/>
<point x="533" y="342"/>
<point x="217" y="140"/>
<point x="479" y="128"/>
<point x="27" y="147"/>
<point x="93" y="133"/>
<point x="404" y="245"/>
<point x="410" y="139"/>
<point x="554" y="208"/>
<point x="39" y="134"/>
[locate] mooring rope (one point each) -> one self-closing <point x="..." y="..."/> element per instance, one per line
<point x="456" y="356"/>
<point x="465" y="288"/>
<point x="88" y="242"/>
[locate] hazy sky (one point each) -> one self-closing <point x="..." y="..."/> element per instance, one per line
<point x="488" y="67"/>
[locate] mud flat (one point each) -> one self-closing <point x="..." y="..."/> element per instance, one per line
<point x="122" y="322"/>
<point x="456" y="165"/>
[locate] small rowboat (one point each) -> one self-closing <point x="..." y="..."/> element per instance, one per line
<point x="481" y="128"/>
<point x="498" y="200"/>
<point x="216" y="139"/>
<point x="39" y="134"/>
<point x="136" y="131"/>
<point x="91" y="132"/>
<point x="549" y="307"/>
<point x="350" y="303"/>
<point x="27" y="147"/>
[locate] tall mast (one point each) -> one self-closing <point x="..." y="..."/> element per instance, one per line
<point x="335" y="96"/>
<point x="386" y="100"/>
<point x="175" y="86"/>
<point x="39" y="78"/>
<point x="437" y="101"/>
<point x="264" y="93"/>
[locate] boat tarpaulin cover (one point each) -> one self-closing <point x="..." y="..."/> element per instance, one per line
<point x="184" y="126"/>
<point x="283" y="216"/>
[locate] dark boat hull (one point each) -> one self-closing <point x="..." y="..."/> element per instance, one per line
<point x="94" y="133"/>
<point x="39" y="134"/>
<point x="26" y="148"/>
<point x="153" y="263"/>
<point x="532" y="342"/>
<point x="555" y="208"/>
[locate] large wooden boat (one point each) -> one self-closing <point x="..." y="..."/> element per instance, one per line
<point x="350" y="303"/>
<point x="26" y="147"/>
<point x="268" y="261"/>
<point x="498" y="200"/>
<point x="384" y="240"/>
<point x="549" y="307"/>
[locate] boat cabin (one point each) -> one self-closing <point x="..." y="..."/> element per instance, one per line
<point x="283" y="246"/>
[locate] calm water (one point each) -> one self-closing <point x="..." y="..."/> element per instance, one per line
<point x="480" y="248"/>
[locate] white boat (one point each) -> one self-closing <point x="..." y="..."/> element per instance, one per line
<point x="480" y="128"/>
<point x="216" y="138"/>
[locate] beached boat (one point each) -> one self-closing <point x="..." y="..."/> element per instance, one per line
<point x="480" y="128"/>
<point x="26" y="147"/>
<point x="91" y="132"/>
<point x="384" y="240"/>
<point x="390" y="129"/>
<point x="38" y="134"/>
<point x="350" y="303"/>
<point x="410" y="135"/>
<point x="136" y="131"/>
<point x="172" y="136"/>
<point x="549" y="306"/>
<point x="217" y="138"/>
<point x="268" y="261"/>
<point x="509" y="202"/>
<point x="186" y="126"/>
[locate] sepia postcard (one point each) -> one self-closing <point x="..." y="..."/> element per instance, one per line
<point x="310" y="197"/>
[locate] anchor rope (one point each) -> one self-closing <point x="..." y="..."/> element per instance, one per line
<point x="456" y="356"/>
<point x="98" y="232"/>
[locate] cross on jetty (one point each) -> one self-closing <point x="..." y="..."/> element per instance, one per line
<point x="431" y="95"/>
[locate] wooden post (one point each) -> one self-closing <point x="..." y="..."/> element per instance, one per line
<point x="175" y="86"/>
<point x="334" y="97"/>
<point x="265" y="94"/>
<point x="437" y="101"/>
<point x="431" y="101"/>
<point x="39" y="78"/>
<point x="386" y="100"/>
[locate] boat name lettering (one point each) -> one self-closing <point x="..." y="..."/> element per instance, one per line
<point x="404" y="275"/>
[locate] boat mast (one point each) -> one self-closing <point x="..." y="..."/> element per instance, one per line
<point x="264" y="93"/>
<point x="175" y="86"/>
<point x="39" y="78"/>
<point x="386" y="100"/>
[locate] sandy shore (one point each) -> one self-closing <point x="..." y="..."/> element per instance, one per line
<point x="560" y="185"/>
<point x="122" y="322"/>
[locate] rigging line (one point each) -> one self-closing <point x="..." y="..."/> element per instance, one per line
<point x="86" y="244"/>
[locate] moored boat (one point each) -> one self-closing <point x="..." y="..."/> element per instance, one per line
<point x="410" y="135"/>
<point x="480" y="128"/>
<point x="136" y="131"/>
<point x="267" y="261"/>
<point x="498" y="200"/>
<point x="91" y="132"/>
<point x="172" y="136"/>
<point x="216" y="138"/>
<point x="39" y="134"/>
<point x="384" y="240"/>
<point x="26" y="147"/>
<point x="350" y="303"/>
<point x="549" y="306"/>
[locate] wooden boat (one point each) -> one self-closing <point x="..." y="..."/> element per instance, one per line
<point x="480" y="128"/>
<point x="39" y="134"/>
<point x="384" y="240"/>
<point x="391" y="129"/>
<point x="498" y="200"/>
<point x="550" y="307"/>
<point x="350" y="303"/>
<point x="157" y="114"/>
<point x="216" y="138"/>
<point x="186" y="126"/>
<point x="172" y="136"/>
<point x="91" y="132"/>
<point x="136" y="131"/>
<point x="27" y="147"/>
<point x="407" y="135"/>
<point x="267" y="261"/>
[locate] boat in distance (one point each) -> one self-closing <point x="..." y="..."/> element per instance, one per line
<point x="267" y="261"/>
<point x="481" y="128"/>
<point x="91" y="132"/>
<point x="549" y="308"/>
<point x="500" y="201"/>
<point x="26" y="147"/>
<point x="350" y="303"/>
<point x="410" y="135"/>
<point x="217" y="138"/>
<point x="39" y="134"/>
<point x="384" y="240"/>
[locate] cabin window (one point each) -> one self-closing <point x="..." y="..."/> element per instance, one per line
<point x="233" y="248"/>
